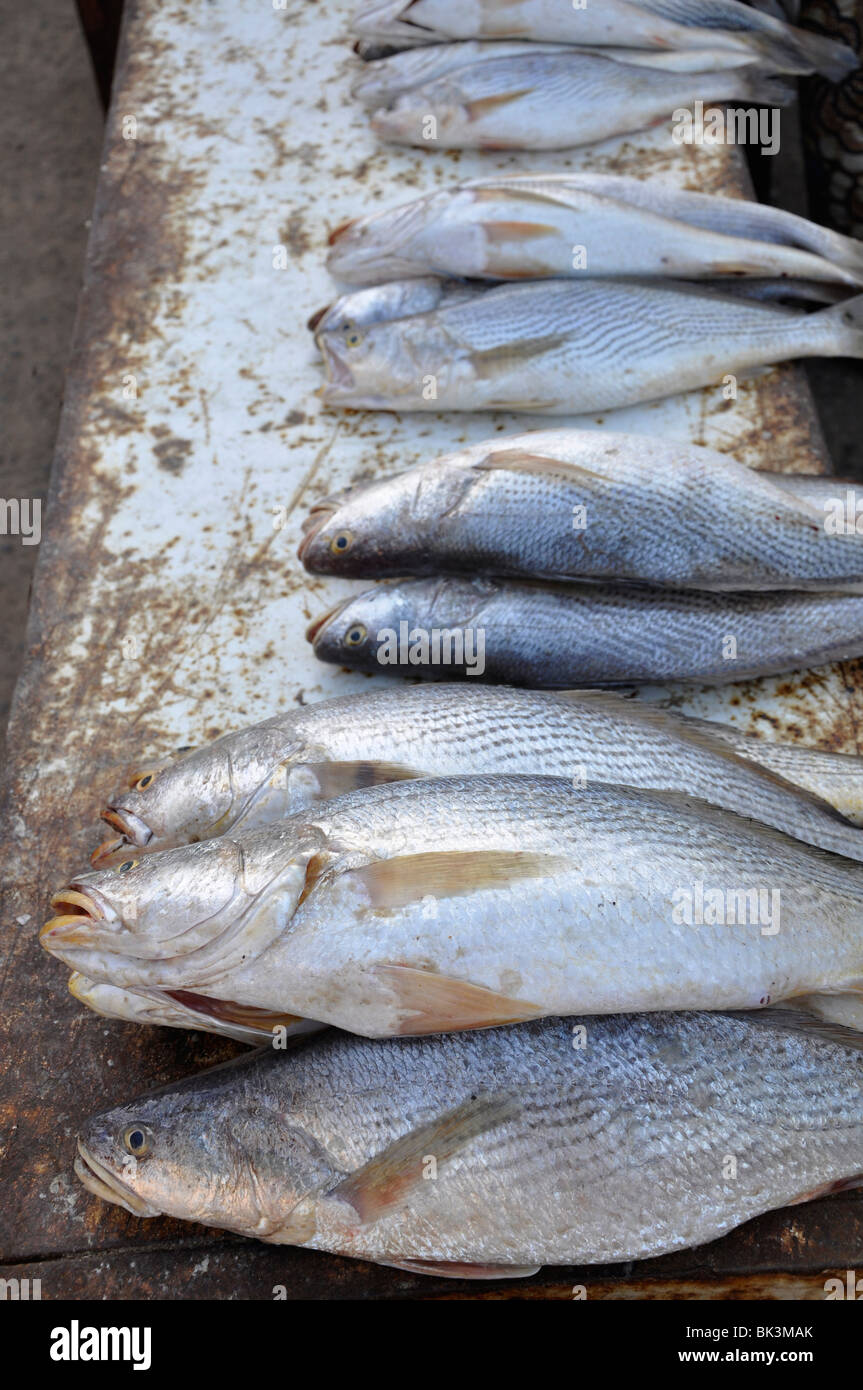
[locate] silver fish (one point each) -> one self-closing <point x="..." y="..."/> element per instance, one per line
<point x="258" y="776"/>
<point x="537" y="99"/>
<point x="738" y="29"/>
<point x="565" y="635"/>
<point x="183" y="1009"/>
<point x="454" y="903"/>
<point x="585" y="504"/>
<point x="550" y="1145"/>
<point x="580" y="224"/>
<point x="569" y="347"/>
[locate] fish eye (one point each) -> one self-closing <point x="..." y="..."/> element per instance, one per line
<point x="341" y="542"/>
<point x="355" y="635"/>
<point x="143" y="781"/>
<point x="136" y="1140"/>
<point x="353" y="336"/>
<point x="127" y="865"/>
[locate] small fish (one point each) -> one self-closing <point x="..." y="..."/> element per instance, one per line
<point x="583" y="225"/>
<point x="586" y="504"/>
<point x="572" y="347"/>
<point x="183" y="1009"/>
<point x="726" y="25"/>
<point x="540" y="99"/>
<point x="258" y="776"/>
<point x="444" y="904"/>
<point x="550" y="1144"/>
<point x="570" y="634"/>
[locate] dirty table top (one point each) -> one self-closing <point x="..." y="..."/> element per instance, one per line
<point x="169" y="606"/>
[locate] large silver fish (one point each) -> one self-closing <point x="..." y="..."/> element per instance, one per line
<point x="453" y="903"/>
<point x="490" y="1155"/>
<point x="558" y="347"/>
<point x="257" y="776"/>
<point x="579" y="224"/>
<point x="537" y="99"/>
<point x="724" y="25"/>
<point x="570" y="634"/>
<point x="587" y="504"/>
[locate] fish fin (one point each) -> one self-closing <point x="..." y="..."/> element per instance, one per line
<point x="452" y="1269"/>
<point x="847" y="318"/>
<point x="785" y="1017"/>
<point x="845" y="1009"/>
<point x="475" y="110"/>
<point x="337" y="778"/>
<point x="228" y="1011"/>
<point x="521" y="461"/>
<point x="433" y="1003"/>
<point x="517" y="231"/>
<point x="384" y="1183"/>
<point x="408" y="878"/>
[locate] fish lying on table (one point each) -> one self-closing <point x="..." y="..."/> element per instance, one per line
<point x="558" y="346"/>
<point x="580" y="224"/>
<point x="564" y="1142"/>
<point x="530" y="97"/>
<point x="257" y="776"/>
<point x="573" y="633"/>
<point x="464" y="902"/>
<point x="738" y="30"/>
<point x="591" y="504"/>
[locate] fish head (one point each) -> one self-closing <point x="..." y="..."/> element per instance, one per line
<point x="150" y="907"/>
<point x="377" y="529"/>
<point x="364" y="630"/>
<point x="213" y="1149"/>
<point x="383" y="247"/>
<point x="368" y="362"/>
<point x="196" y="798"/>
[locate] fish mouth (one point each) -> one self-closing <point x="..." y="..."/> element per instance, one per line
<point x="103" y="1183"/>
<point x="339" y="374"/>
<point x="338" y="232"/>
<point x="314" y="523"/>
<point x="135" y="830"/>
<point x="76" y="912"/>
<point x="317" y="626"/>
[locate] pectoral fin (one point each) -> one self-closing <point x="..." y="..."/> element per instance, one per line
<point x="385" y="1182"/>
<point x="517" y="231"/>
<point x="483" y="106"/>
<point x="409" y="878"/>
<point x="432" y="1003"/>
<point x="335" y="779"/>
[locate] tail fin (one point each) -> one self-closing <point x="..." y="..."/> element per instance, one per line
<point x="765" y="88"/>
<point x="845" y="322"/>
<point x="798" y="51"/>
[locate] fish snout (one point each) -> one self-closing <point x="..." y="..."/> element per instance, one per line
<point x="132" y="832"/>
<point x="76" y="912"/>
<point x="104" y="1183"/>
<point x="318" y="625"/>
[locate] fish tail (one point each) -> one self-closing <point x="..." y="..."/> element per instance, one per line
<point x="767" y="88"/>
<point x="803" y="52"/>
<point x="845" y="321"/>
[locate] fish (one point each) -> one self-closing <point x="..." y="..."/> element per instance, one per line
<point x="257" y="776"/>
<point x="572" y="347"/>
<point x="186" y="1010"/>
<point x="587" y="504"/>
<point x="560" y="636"/>
<point x="536" y="99"/>
<point x="736" y="28"/>
<point x="446" y="904"/>
<point x="562" y="1142"/>
<point x="581" y="224"/>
